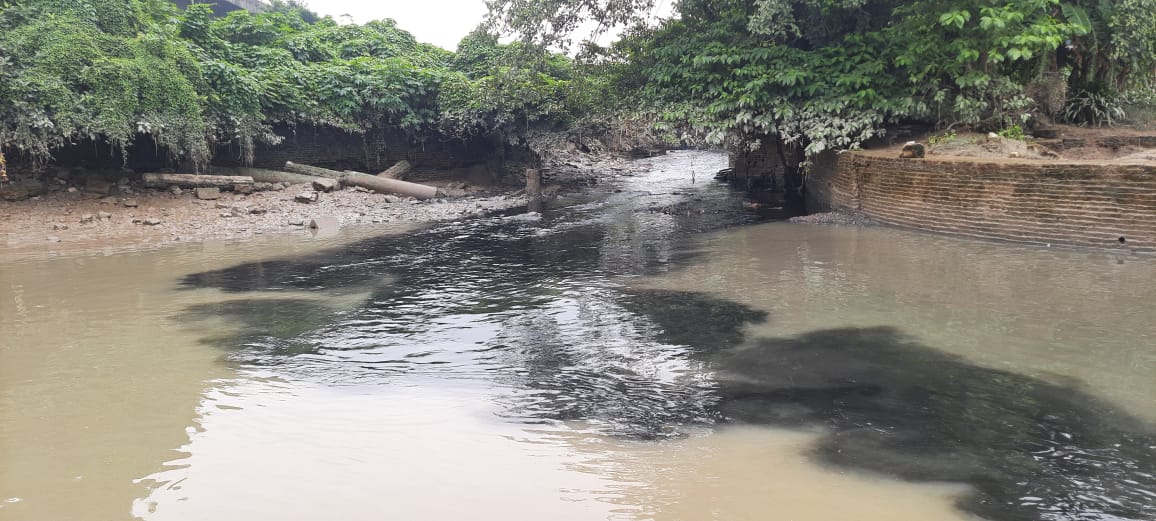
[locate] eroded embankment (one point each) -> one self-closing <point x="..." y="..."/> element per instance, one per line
<point x="1100" y="204"/>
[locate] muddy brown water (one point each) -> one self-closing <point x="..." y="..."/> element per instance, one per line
<point x="649" y="349"/>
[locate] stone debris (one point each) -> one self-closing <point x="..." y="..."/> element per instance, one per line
<point x="211" y="193"/>
<point x="307" y="197"/>
<point x="117" y="220"/>
<point x="326" y="222"/>
<point x="912" y="150"/>
<point x="98" y="186"/>
<point x="19" y="191"/>
<point x="848" y="218"/>
<point x="326" y="185"/>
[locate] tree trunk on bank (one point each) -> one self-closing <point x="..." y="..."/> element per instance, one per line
<point x="313" y="170"/>
<point x="262" y="175"/>
<point x="389" y="186"/>
<point x="194" y="180"/>
<point x="397" y="171"/>
<point x="377" y="184"/>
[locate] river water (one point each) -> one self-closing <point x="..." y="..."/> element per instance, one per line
<point x="648" y="349"/>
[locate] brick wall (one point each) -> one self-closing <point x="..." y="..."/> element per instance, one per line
<point x="1055" y="202"/>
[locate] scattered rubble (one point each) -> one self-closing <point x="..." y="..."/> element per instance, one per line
<point x="838" y="217"/>
<point x="207" y="193"/>
<point x="168" y="213"/>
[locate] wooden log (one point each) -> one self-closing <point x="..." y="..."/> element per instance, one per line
<point x="313" y="170"/>
<point x="533" y="183"/>
<point x="389" y="186"/>
<point x="194" y="180"/>
<point x="397" y="171"/>
<point x="262" y="175"/>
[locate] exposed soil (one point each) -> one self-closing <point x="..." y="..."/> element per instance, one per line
<point x="1064" y="142"/>
<point x="70" y="215"/>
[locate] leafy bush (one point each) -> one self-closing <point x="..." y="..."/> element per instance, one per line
<point x="1015" y="132"/>
<point x="1093" y="108"/>
<point x="942" y="139"/>
<point x="111" y="70"/>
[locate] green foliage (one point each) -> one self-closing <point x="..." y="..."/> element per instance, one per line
<point x="828" y="74"/>
<point x="1015" y="132"/>
<point x="509" y="86"/>
<point x="111" y="70"/>
<point x="72" y="75"/>
<point x="944" y="138"/>
<point x="1093" y="108"/>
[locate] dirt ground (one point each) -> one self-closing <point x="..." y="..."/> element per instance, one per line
<point x="1062" y="144"/>
<point x="78" y="215"/>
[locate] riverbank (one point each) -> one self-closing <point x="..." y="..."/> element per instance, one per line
<point x="86" y="218"/>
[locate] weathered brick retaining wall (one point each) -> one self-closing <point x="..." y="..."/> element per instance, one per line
<point x="1073" y="203"/>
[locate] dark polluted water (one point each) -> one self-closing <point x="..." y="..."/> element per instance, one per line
<point x="651" y="349"/>
<point x="543" y="308"/>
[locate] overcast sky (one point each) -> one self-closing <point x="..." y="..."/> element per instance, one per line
<point x="440" y="22"/>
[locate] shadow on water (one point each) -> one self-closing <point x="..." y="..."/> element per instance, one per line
<point x="701" y="322"/>
<point x="1032" y="449"/>
<point x="539" y="306"/>
<point x="270" y="329"/>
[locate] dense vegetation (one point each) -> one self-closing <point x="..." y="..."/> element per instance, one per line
<point x="828" y="74"/>
<point x="110" y="70"/>
<point x="815" y="74"/>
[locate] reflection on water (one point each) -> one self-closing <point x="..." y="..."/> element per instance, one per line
<point x="648" y="351"/>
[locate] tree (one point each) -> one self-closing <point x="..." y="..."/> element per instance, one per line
<point x="828" y="74"/>
<point x="110" y="71"/>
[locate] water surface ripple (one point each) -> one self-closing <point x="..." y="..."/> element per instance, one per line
<point x="560" y="318"/>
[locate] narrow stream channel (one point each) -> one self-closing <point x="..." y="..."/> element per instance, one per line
<point x="648" y="349"/>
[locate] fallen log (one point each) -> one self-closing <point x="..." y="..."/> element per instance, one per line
<point x="313" y="170"/>
<point x="262" y="175"/>
<point x="397" y="171"/>
<point x="377" y="184"/>
<point x="389" y="186"/>
<point x="194" y="180"/>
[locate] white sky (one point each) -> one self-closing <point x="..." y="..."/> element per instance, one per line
<point x="440" y="22"/>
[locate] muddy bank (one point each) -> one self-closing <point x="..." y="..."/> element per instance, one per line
<point x="147" y="219"/>
<point x="78" y="216"/>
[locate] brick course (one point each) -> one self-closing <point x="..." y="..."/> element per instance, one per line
<point x="1074" y="203"/>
